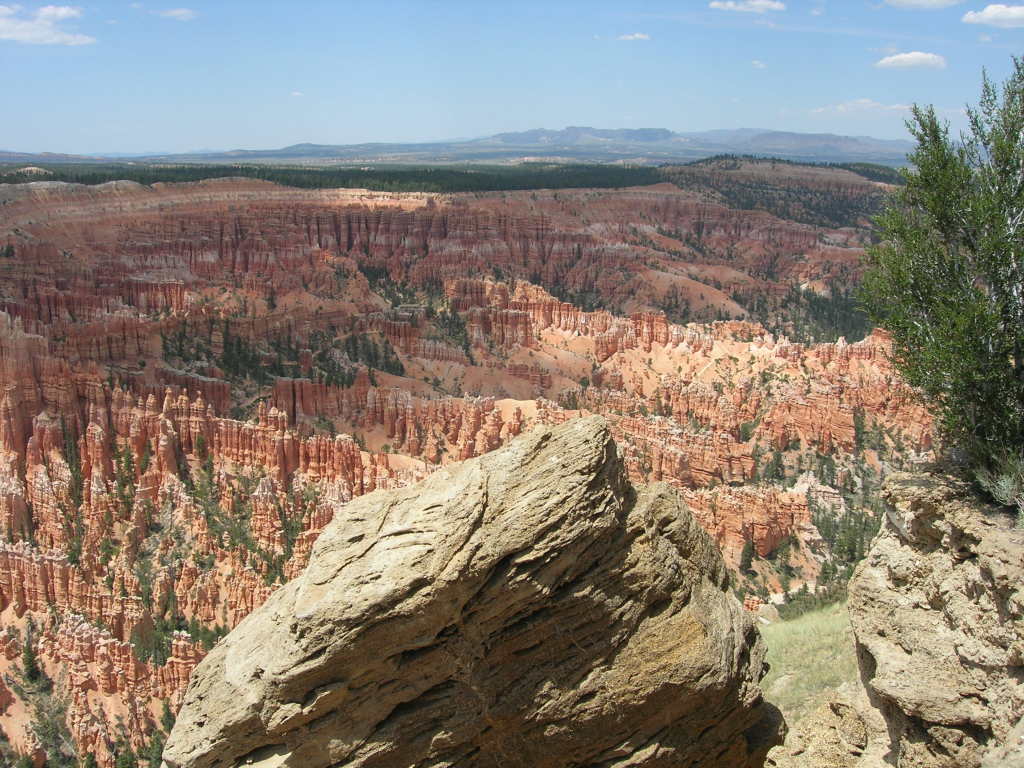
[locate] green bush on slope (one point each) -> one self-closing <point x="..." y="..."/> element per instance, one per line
<point x="947" y="280"/>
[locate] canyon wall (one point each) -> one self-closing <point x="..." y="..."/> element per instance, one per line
<point x="196" y="380"/>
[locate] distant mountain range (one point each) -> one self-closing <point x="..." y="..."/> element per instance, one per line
<point x="648" y="146"/>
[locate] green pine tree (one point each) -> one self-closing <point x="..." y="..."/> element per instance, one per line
<point x="166" y="716"/>
<point x="29" y="659"/>
<point x="155" y="750"/>
<point x="946" y="280"/>
<point x="125" y="757"/>
<point x="747" y="555"/>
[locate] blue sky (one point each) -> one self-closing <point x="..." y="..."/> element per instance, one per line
<point x="151" y="76"/>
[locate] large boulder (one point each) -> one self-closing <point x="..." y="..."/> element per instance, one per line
<point x="527" y="608"/>
<point x="937" y="609"/>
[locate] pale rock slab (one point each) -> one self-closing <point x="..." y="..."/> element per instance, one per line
<point x="526" y="608"/>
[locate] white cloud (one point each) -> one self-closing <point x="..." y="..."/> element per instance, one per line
<point x="40" y="27"/>
<point x="635" y="36"/>
<point x="55" y="13"/>
<point x="747" y="6"/>
<point x="926" y="4"/>
<point x="298" y="93"/>
<point x="178" y="14"/>
<point x="997" y="15"/>
<point x="858" y="106"/>
<point x="912" y="60"/>
<point x="758" y="64"/>
<point x="984" y="38"/>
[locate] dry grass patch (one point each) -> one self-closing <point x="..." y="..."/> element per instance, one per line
<point x="810" y="656"/>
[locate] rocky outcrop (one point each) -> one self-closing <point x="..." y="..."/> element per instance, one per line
<point x="844" y="732"/>
<point x="937" y="610"/>
<point x="529" y="607"/>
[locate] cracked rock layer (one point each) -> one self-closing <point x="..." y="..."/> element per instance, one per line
<point x="527" y="608"/>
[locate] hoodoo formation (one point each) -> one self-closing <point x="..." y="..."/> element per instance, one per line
<point x="583" y="447"/>
<point x="198" y="378"/>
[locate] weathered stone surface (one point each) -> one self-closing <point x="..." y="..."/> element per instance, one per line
<point x="937" y="609"/>
<point x="1011" y="754"/>
<point x="844" y="732"/>
<point x="529" y="607"/>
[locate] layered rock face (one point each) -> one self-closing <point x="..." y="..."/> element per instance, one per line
<point x="529" y="607"/>
<point x="937" y="609"/>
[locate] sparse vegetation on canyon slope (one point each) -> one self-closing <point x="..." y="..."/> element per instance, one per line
<point x="199" y="376"/>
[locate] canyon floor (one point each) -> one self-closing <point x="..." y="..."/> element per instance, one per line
<point x="197" y="378"/>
